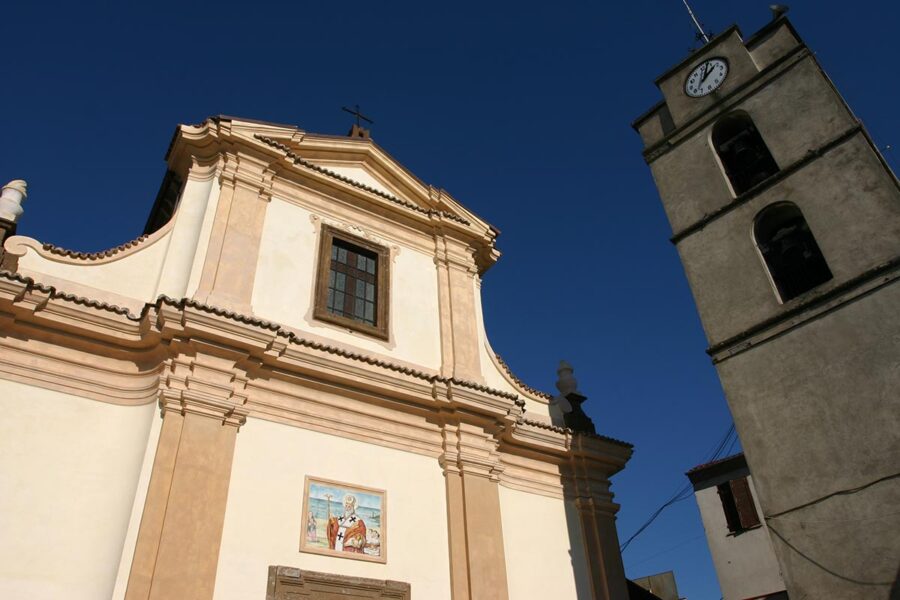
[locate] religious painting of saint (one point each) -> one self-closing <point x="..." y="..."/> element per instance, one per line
<point x="345" y="520"/>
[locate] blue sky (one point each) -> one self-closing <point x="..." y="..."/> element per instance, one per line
<point x="520" y="110"/>
<point x="318" y="490"/>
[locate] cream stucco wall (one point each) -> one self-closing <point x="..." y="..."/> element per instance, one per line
<point x="189" y="238"/>
<point x="168" y="262"/>
<point x="285" y="283"/>
<point x="263" y="518"/>
<point x="542" y="541"/>
<point x="745" y="564"/>
<point x="69" y="468"/>
<point x="137" y="510"/>
<point x="132" y="275"/>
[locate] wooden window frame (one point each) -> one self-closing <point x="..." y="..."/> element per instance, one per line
<point x="737" y="502"/>
<point x="382" y="284"/>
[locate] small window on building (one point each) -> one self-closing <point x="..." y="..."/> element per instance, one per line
<point x="744" y="155"/>
<point x="789" y="250"/>
<point x="737" y="502"/>
<point x="352" y="283"/>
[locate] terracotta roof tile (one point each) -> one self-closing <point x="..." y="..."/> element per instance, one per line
<point x="714" y="462"/>
<point x="94" y="255"/>
<point x="305" y="163"/>
<point x="248" y="320"/>
<point x="569" y="431"/>
<point x="519" y="382"/>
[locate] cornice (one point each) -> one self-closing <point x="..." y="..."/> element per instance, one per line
<point x="769" y="183"/>
<point x="805" y="308"/>
<point x="569" y="432"/>
<point x="686" y="130"/>
<point x="18" y="245"/>
<point x="26" y="284"/>
<point x="277" y="144"/>
<point x="518" y="382"/>
<point x="297" y="160"/>
<point x="257" y="368"/>
<point x="23" y="291"/>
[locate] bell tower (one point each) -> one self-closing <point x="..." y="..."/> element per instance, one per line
<point x="787" y="221"/>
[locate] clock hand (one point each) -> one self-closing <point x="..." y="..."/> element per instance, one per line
<point x="706" y="73"/>
<point x="703" y="72"/>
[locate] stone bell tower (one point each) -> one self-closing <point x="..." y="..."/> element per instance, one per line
<point x="787" y="220"/>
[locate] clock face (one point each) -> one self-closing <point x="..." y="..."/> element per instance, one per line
<point x="706" y="77"/>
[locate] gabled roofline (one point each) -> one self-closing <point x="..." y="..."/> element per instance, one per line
<point x="718" y="471"/>
<point x="446" y="197"/>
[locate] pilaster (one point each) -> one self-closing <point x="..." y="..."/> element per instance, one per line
<point x="597" y="514"/>
<point x="472" y="470"/>
<point x="202" y="397"/>
<point x="459" y="325"/>
<point x="230" y="267"/>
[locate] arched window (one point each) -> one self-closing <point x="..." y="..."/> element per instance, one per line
<point x="744" y="155"/>
<point x="789" y="249"/>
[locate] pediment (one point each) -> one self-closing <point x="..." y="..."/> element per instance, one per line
<point x="353" y="168"/>
<point x="364" y="164"/>
<point x="357" y="162"/>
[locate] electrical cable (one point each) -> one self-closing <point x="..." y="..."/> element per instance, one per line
<point x="823" y="567"/>
<point x="666" y="551"/>
<point x="685" y="491"/>
<point x="833" y="494"/>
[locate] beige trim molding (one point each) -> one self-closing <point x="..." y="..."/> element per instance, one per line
<point x="18" y="245"/>
<point x="295" y="380"/>
<point x="288" y="583"/>
<point x="286" y="149"/>
<point x="202" y="397"/>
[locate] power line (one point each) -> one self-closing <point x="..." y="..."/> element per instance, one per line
<point x="667" y="550"/>
<point x="833" y="494"/>
<point x="685" y="491"/>
<point x="823" y="567"/>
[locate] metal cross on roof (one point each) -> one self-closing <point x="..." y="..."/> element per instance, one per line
<point x="355" y="112"/>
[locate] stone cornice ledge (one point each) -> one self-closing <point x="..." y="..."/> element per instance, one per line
<point x="178" y="333"/>
<point x="18" y="245"/>
<point x="266" y="341"/>
<point x="605" y="454"/>
<point x="297" y="160"/>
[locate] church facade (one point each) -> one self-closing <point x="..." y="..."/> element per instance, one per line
<point x="285" y="387"/>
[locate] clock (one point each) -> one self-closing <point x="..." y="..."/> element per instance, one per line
<point x="706" y="77"/>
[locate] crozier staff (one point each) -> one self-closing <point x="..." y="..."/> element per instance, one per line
<point x="347" y="533"/>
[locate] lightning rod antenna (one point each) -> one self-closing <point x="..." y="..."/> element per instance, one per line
<point x="700" y="33"/>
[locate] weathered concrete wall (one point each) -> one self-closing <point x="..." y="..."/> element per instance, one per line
<point x="795" y="113"/>
<point x="851" y="207"/>
<point x="817" y="412"/>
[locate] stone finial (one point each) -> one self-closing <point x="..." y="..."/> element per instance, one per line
<point x="570" y="399"/>
<point x="11" y="198"/>
<point x="566" y="384"/>
<point x="778" y="10"/>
